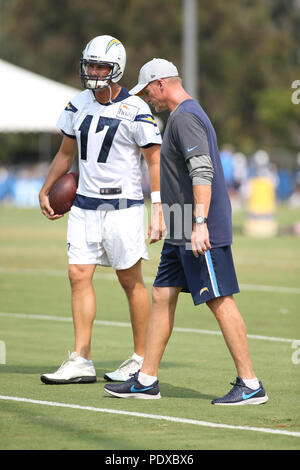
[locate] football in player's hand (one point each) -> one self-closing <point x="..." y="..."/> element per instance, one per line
<point x="63" y="192"/>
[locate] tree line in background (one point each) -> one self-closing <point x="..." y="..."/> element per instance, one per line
<point x="248" y="53"/>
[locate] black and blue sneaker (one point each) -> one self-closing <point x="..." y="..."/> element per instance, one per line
<point x="133" y="388"/>
<point x="240" y="394"/>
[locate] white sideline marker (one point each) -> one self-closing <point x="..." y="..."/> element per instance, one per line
<point x="28" y="316"/>
<point x="151" y="416"/>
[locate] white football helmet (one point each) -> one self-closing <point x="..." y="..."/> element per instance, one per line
<point x="104" y="50"/>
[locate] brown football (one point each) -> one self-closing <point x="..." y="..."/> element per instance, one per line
<point x="63" y="192"/>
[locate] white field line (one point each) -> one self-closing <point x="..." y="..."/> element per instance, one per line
<point x="173" y="419"/>
<point x="27" y="316"/>
<point x="148" y="279"/>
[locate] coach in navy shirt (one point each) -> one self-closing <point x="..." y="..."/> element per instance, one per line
<point x="196" y="255"/>
<point x="189" y="152"/>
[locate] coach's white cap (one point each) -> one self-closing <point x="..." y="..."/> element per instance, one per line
<point x="156" y="68"/>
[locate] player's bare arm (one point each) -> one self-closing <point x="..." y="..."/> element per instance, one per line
<point x="61" y="164"/>
<point x="200" y="235"/>
<point x="156" y="228"/>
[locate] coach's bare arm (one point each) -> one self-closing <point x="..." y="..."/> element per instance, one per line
<point x="61" y="164"/>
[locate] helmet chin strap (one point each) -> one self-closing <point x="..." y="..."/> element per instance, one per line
<point x="107" y="85"/>
<point x="110" y="93"/>
<point x="100" y="84"/>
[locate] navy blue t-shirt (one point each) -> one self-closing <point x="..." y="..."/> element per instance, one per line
<point x="189" y="132"/>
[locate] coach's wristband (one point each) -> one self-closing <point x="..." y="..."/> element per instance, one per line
<point x="155" y="197"/>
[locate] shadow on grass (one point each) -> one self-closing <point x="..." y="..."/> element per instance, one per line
<point x="172" y="391"/>
<point x="167" y="390"/>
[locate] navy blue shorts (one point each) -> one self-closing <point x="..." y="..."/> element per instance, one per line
<point x="209" y="276"/>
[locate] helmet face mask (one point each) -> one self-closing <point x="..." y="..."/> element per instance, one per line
<point x="106" y="51"/>
<point x="93" y="82"/>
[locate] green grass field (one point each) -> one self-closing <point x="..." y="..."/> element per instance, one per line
<point x="36" y="327"/>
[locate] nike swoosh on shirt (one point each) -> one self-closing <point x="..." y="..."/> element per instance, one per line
<point x="245" y="395"/>
<point x="189" y="149"/>
<point x="134" y="390"/>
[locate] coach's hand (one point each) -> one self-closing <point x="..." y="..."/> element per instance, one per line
<point x="200" y="239"/>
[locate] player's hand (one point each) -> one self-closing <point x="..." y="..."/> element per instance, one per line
<point x="157" y="227"/>
<point x="200" y="240"/>
<point x="46" y="208"/>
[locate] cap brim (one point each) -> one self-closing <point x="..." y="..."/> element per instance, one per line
<point x="138" y="89"/>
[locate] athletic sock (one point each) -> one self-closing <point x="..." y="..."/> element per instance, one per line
<point x="80" y="358"/>
<point x="146" y="379"/>
<point x="136" y="357"/>
<point x="84" y="360"/>
<point x="251" y="383"/>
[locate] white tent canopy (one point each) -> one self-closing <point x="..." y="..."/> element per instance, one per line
<point x="30" y="102"/>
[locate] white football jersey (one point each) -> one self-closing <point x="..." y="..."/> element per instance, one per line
<point x="108" y="138"/>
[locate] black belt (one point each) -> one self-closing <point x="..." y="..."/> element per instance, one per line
<point x="94" y="203"/>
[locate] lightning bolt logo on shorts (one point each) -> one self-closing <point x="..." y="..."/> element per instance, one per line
<point x="204" y="290"/>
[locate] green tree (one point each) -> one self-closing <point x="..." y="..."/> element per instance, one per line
<point x="247" y="65"/>
<point x="248" y="54"/>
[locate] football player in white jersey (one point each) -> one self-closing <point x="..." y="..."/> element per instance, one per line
<point x="109" y="129"/>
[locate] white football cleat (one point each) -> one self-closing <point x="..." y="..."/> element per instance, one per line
<point x="75" y="370"/>
<point x="125" y="370"/>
